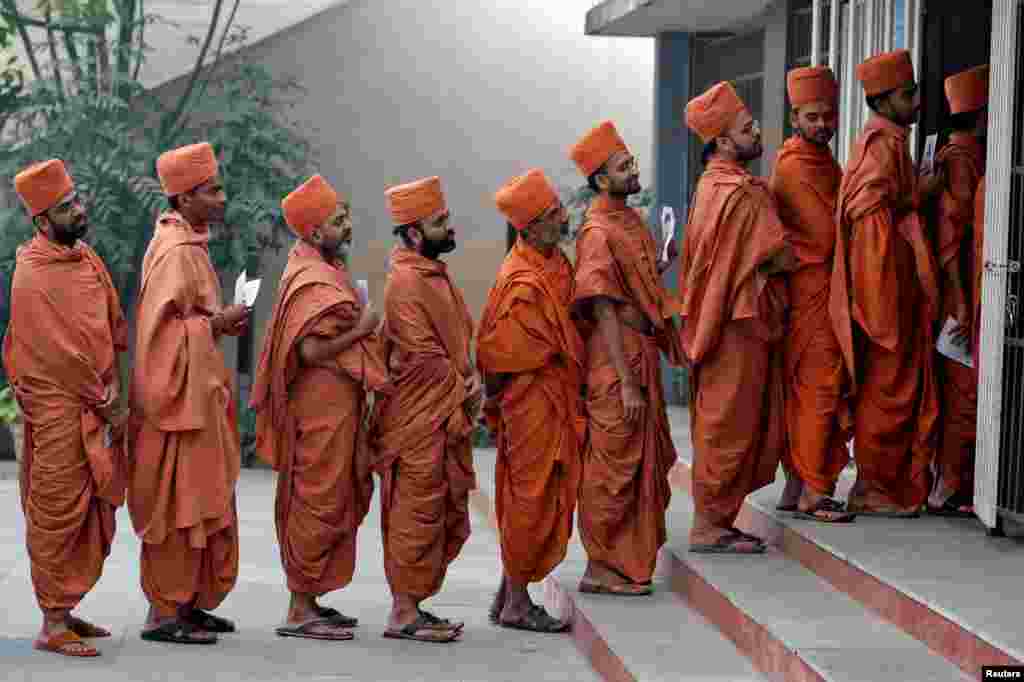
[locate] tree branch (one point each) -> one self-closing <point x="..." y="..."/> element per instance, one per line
<point x="74" y="57"/>
<point x="215" y="63"/>
<point x="125" y="35"/>
<point x="51" y="41"/>
<point x="142" y="43"/>
<point x="12" y="14"/>
<point x="170" y="123"/>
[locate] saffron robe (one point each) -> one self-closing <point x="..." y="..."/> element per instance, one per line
<point x="733" y="323"/>
<point x="625" y="488"/>
<point x="883" y="303"/>
<point x="526" y="333"/>
<point x="60" y="355"/>
<point x="422" y="431"/>
<point x="805" y="184"/>
<point x="310" y="422"/>
<point x="186" y="452"/>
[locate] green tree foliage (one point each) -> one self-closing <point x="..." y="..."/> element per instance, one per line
<point x="87" y="106"/>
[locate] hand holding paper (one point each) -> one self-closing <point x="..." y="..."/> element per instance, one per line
<point x="246" y="290"/>
<point x="950" y="348"/>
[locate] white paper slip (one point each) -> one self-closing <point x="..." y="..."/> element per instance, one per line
<point x="668" y="230"/>
<point x="949" y="348"/>
<point x="928" y="160"/>
<point x="362" y="291"/>
<point x="246" y="290"/>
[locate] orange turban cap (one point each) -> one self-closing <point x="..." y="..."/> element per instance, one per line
<point x="523" y="199"/>
<point x="415" y="201"/>
<point x="42" y="185"/>
<point x="309" y="206"/>
<point x="885" y="72"/>
<point x="811" y="84"/>
<point x="968" y="90"/>
<point x="185" y="168"/>
<point x="596" y="147"/>
<point x="710" y="114"/>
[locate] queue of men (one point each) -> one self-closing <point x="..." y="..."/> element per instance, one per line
<point x="809" y="306"/>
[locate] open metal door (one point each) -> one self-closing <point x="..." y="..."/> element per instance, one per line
<point x="999" y="467"/>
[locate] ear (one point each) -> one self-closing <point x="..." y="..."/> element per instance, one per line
<point x="603" y="181"/>
<point x="317" y="236"/>
<point x="794" y="118"/>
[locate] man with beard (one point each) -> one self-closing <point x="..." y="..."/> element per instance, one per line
<point x="734" y="258"/>
<point x="60" y="353"/>
<point x="963" y="160"/>
<point x="805" y="184"/>
<point x="625" y="489"/>
<point x="186" y="453"/>
<point x="319" y="360"/>
<point x="532" y="358"/>
<point x="884" y="298"/>
<point x="423" y="429"/>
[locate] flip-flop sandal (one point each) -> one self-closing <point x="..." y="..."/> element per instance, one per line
<point x="209" y="622"/>
<point x="748" y="536"/>
<point x="176" y="632"/>
<point x="307" y="630"/>
<point x="440" y="623"/>
<point x="66" y="643"/>
<point x="537" y="620"/>
<point x="728" y="544"/>
<point x="954" y="507"/>
<point x="624" y="590"/>
<point x="826" y="510"/>
<point x="412" y="632"/>
<point x="84" y="628"/>
<point x="336" y="617"/>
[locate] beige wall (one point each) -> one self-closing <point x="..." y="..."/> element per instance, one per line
<point x="473" y="92"/>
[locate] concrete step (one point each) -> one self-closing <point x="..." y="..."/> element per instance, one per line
<point x="940" y="581"/>
<point x="792" y="624"/>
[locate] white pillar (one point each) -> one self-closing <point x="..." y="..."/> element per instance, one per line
<point x="816" y="32"/>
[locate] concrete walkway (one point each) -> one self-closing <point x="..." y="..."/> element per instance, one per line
<point x="258" y="605"/>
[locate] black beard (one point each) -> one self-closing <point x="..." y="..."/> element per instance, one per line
<point x="813" y="139"/>
<point x="67" y="235"/>
<point x="433" y="249"/>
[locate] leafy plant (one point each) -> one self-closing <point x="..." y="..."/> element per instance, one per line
<point x="9" y="412"/>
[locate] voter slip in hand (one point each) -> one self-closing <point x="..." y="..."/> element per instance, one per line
<point x="246" y="290"/>
<point x="951" y="349"/>
<point x="362" y="291"/>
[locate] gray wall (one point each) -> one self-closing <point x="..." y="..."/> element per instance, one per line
<point x="473" y="92"/>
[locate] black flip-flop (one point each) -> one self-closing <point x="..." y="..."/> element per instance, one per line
<point x="305" y="631"/>
<point x="537" y="619"/>
<point x="175" y="632"/>
<point x="952" y="508"/>
<point x="412" y="632"/>
<point x="209" y="622"/>
<point x="727" y="545"/>
<point x="336" y="617"/>
<point x="828" y="506"/>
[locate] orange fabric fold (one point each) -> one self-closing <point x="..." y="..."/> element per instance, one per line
<point x="964" y="161"/>
<point x="527" y="335"/>
<point x="733" y="321"/>
<point x="805" y="183"/>
<point x="422" y="431"/>
<point x="625" y="490"/>
<point x="60" y="355"/>
<point x="883" y="303"/>
<point x="186" y="452"/>
<point x="310" y="422"/>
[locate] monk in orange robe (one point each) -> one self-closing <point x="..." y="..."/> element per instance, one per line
<point x="60" y="354"/>
<point x="422" y="431"/>
<point x="186" y="451"/>
<point x="963" y="160"/>
<point x="734" y="256"/>
<point x="805" y="183"/>
<point x="625" y="488"/>
<point x="884" y="299"/>
<point x="531" y="356"/>
<point x="319" y="360"/>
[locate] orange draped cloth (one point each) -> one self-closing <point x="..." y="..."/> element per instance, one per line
<point x="733" y="323"/>
<point x="884" y="303"/>
<point x="625" y="489"/>
<point x="805" y="183"/>
<point x="422" y="431"/>
<point x="310" y="422"/>
<point x="60" y="354"/>
<point x="526" y="333"/>
<point x="964" y="161"/>
<point x="186" y="454"/>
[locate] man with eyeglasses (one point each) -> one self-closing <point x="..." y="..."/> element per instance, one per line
<point x="531" y="355"/>
<point x="629" y="453"/>
<point x="422" y="430"/>
<point x="805" y="183"/>
<point x="885" y="298"/>
<point x="732" y="278"/>
<point x="60" y="354"/>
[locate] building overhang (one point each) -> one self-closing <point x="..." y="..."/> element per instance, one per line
<point x="646" y="18"/>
